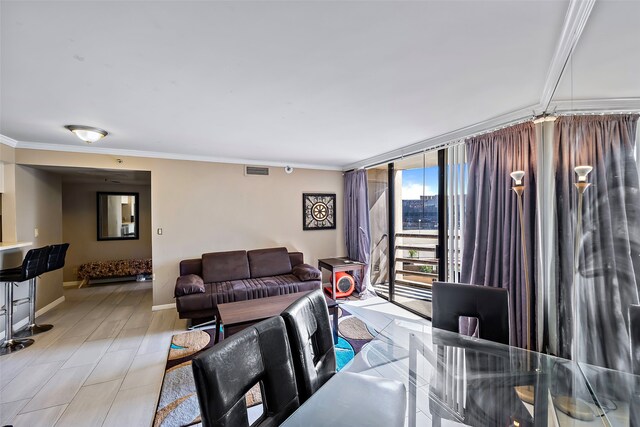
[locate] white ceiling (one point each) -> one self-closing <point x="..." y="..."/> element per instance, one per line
<point x="606" y="61"/>
<point x="319" y="83"/>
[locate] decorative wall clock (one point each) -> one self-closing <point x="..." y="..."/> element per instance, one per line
<point x="318" y="211"/>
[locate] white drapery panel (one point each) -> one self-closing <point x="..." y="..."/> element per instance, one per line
<point x="457" y="175"/>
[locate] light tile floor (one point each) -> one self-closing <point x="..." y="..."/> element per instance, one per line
<point x="103" y="362"/>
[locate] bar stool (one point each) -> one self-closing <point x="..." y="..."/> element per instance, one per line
<point x="34" y="263"/>
<point x="55" y="260"/>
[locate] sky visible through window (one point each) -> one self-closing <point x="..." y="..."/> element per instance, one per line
<point x="420" y="213"/>
<point x="412" y="183"/>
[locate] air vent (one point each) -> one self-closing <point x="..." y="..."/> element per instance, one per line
<point x="256" y="170"/>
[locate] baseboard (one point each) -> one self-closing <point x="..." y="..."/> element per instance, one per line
<point x="164" y="307"/>
<point x="49" y="306"/>
<point x="43" y="310"/>
<point x="72" y="284"/>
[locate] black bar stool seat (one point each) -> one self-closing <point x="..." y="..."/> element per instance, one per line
<point x="34" y="263"/>
<point x="54" y="261"/>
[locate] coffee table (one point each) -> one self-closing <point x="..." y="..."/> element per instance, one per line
<point x="236" y="316"/>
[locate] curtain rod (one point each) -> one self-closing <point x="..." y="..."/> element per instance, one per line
<point x="597" y="113"/>
<point x="535" y="118"/>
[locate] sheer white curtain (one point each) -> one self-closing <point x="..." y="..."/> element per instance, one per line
<point x="457" y="175"/>
<point x="546" y="310"/>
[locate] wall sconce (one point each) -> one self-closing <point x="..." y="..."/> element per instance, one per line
<point x="87" y="133"/>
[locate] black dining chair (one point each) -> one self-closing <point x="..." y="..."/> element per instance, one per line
<point x="311" y="341"/>
<point x="488" y="401"/>
<point x="223" y="375"/>
<point x="33" y="264"/>
<point x="489" y="305"/>
<point x="55" y="261"/>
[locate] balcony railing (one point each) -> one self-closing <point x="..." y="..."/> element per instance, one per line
<point x="416" y="263"/>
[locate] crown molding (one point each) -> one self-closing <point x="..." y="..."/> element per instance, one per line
<point x="8" y="141"/>
<point x="575" y="20"/>
<point x="162" y="155"/>
<point x="602" y="106"/>
<point x="450" y="137"/>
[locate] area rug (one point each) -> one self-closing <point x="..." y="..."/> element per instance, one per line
<point x="178" y="403"/>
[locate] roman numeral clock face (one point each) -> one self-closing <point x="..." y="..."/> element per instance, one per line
<point x="318" y="211"/>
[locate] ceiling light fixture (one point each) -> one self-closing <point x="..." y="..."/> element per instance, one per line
<point x="87" y="133"/>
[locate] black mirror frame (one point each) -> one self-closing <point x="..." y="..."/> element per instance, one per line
<point x="136" y="235"/>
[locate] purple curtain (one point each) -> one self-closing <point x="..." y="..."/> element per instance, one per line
<point x="493" y="248"/>
<point x="607" y="273"/>
<point x="356" y="226"/>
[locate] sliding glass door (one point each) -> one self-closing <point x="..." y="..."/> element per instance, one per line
<point x="416" y="207"/>
<point x="416" y="227"/>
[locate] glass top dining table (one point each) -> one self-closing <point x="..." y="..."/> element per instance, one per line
<point x="456" y="380"/>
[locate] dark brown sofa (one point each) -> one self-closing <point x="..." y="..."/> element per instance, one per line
<point x="221" y="277"/>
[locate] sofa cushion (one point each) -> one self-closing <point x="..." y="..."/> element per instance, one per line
<point x="189" y="284"/>
<point x="269" y="262"/>
<point x="296" y="258"/>
<point x="204" y="305"/>
<point x="191" y="266"/>
<point x="225" y="266"/>
<point x="306" y="272"/>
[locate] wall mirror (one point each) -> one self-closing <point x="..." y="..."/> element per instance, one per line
<point x="118" y="216"/>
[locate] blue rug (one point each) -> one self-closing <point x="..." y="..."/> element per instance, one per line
<point x="344" y="353"/>
<point x="353" y="334"/>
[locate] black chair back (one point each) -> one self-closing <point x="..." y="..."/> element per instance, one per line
<point x="634" y="333"/>
<point x="311" y="340"/>
<point x="57" y="256"/>
<point x="489" y="305"/>
<point x="227" y="371"/>
<point x="34" y="263"/>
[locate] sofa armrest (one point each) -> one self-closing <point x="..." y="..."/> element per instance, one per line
<point x="305" y="272"/>
<point x="189" y="284"/>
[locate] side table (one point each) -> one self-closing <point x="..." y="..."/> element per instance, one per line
<point x="335" y="265"/>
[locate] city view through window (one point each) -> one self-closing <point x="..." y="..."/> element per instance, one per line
<point x="420" y="199"/>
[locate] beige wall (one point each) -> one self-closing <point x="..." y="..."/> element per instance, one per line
<point x="7" y="157"/>
<point x="204" y="207"/>
<point x="79" y="226"/>
<point x="38" y="204"/>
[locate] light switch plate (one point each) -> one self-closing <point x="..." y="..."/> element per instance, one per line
<point x="36" y="232"/>
<point x="159" y="231"/>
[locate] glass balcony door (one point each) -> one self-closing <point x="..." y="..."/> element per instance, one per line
<point x="416" y="211"/>
<point x="416" y="230"/>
